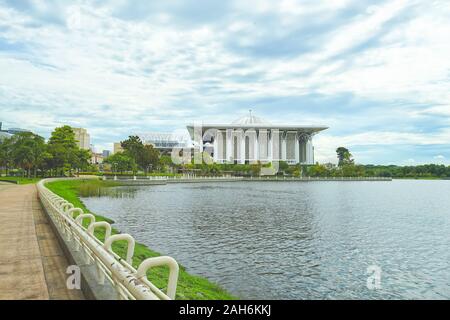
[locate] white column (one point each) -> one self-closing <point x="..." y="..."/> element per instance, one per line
<point x="230" y="148"/>
<point x="262" y="144"/>
<point x="242" y="155"/>
<point x="297" y="149"/>
<point x="270" y="148"/>
<point x="256" y="146"/>
<point x="216" y="146"/>
<point x="309" y="152"/>
<point x="198" y="137"/>
<point x="283" y="146"/>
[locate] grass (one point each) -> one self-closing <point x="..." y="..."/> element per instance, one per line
<point x="20" y="180"/>
<point x="190" y="287"/>
<point x="420" y="178"/>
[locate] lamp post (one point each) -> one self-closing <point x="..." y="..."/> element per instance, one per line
<point x="115" y="169"/>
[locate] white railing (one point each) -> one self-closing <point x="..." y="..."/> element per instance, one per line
<point x="166" y="178"/>
<point x="321" y="178"/>
<point x="230" y="177"/>
<point x="129" y="283"/>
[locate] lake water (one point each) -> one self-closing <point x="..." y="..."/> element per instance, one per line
<point x="297" y="240"/>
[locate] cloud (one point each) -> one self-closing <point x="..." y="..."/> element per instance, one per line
<point x="377" y="75"/>
<point x="440" y="159"/>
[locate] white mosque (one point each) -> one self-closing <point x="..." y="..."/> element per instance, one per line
<point x="251" y="139"/>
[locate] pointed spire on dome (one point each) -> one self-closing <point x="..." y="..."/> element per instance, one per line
<point x="250" y="119"/>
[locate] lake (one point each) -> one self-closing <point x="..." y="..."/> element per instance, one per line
<point x="297" y="240"/>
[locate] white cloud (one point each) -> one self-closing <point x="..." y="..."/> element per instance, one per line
<point x="326" y="144"/>
<point x="439" y="158"/>
<point x="139" y="74"/>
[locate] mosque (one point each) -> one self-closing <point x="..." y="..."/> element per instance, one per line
<point x="251" y="139"/>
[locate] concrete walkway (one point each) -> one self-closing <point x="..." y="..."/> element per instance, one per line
<point x="32" y="264"/>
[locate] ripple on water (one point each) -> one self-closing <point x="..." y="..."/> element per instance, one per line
<point x="297" y="240"/>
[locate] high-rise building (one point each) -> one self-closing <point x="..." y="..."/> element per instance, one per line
<point x="117" y="147"/>
<point x="106" y="153"/>
<point x="83" y="138"/>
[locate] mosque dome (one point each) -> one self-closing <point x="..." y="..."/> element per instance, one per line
<point x="249" y="119"/>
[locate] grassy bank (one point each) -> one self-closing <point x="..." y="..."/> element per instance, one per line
<point x="421" y="178"/>
<point x="190" y="287"/>
<point x="20" y="180"/>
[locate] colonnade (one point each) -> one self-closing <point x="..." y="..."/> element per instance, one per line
<point x="264" y="145"/>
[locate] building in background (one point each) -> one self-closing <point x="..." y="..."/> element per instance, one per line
<point x="12" y="131"/>
<point x="96" y="158"/>
<point x="251" y="139"/>
<point x="106" y="153"/>
<point x="164" y="142"/>
<point x="83" y="138"/>
<point x="4" y="135"/>
<point x="117" y="147"/>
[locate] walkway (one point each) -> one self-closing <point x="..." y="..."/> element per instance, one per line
<point x="32" y="264"/>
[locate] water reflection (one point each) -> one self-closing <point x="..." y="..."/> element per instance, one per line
<point x="88" y="191"/>
<point x="286" y="240"/>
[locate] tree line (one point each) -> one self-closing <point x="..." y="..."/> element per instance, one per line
<point x="347" y="168"/>
<point x="135" y="156"/>
<point x="36" y="157"/>
<point x="60" y="156"/>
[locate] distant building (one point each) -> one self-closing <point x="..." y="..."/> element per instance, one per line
<point x="4" y="135"/>
<point x="83" y="138"/>
<point x="17" y="130"/>
<point x="250" y="139"/>
<point x="106" y="153"/>
<point x="117" y="147"/>
<point x="97" y="158"/>
<point x="12" y="130"/>
<point x="164" y="142"/>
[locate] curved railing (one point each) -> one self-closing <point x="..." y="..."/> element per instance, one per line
<point x="129" y="283"/>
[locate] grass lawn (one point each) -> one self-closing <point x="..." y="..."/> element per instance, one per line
<point x="190" y="287"/>
<point x="20" y="180"/>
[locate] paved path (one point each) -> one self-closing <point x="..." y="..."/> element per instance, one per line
<point x="32" y="264"/>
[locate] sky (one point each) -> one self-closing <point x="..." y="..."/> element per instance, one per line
<point x="377" y="73"/>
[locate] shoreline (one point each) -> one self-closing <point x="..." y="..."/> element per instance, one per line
<point x="164" y="181"/>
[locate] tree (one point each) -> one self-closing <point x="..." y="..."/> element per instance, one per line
<point x="121" y="162"/>
<point x="28" y="151"/>
<point x="283" y="166"/>
<point x="133" y="146"/>
<point x="353" y="171"/>
<point x="318" y="170"/>
<point x="63" y="148"/>
<point x="344" y="156"/>
<point x="82" y="157"/>
<point x="148" y="158"/>
<point x="165" y="161"/>
<point x="255" y="169"/>
<point x="5" y="153"/>
<point x="145" y="156"/>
